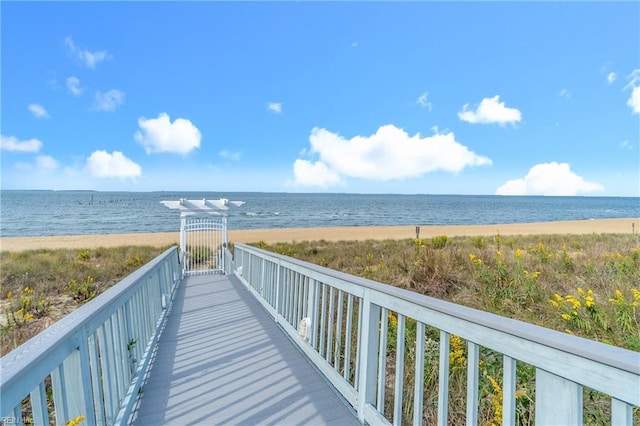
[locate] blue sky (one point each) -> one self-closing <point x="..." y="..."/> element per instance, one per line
<point x="436" y="98"/>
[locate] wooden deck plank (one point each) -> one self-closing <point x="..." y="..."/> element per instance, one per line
<point x="222" y="360"/>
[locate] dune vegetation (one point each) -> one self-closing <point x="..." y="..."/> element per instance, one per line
<point x="38" y="287"/>
<point x="586" y="285"/>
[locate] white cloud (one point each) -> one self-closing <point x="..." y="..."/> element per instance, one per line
<point x="316" y="174"/>
<point x="161" y="135"/>
<point x="12" y="144"/>
<point x="549" y="179"/>
<point x="46" y="162"/>
<point x="275" y="107"/>
<point x="490" y="110"/>
<point x="235" y="156"/>
<point x="354" y="44"/>
<point x="424" y="101"/>
<point x="86" y="57"/>
<point x="108" y="101"/>
<point x="626" y="144"/>
<point x="102" y="164"/>
<point x="611" y="77"/>
<point x="634" y="100"/>
<point x="634" y="78"/>
<point x="388" y="154"/>
<point x="634" y="85"/>
<point x="38" y="111"/>
<point x="564" y="93"/>
<point x="73" y="84"/>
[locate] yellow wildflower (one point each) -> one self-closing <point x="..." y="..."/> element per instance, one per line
<point x="580" y="291"/>
<point x="619" y="299"/>
<point x="76" y="421"/>
<point x="28" y="316"/>
<point x="494" y="384"/>
<point x="566" y="317"/>
<point x="518" y="253"/>
<point x="574" y="301"/>
<point x="393" y="321"/>
<point x="589" y="301"/>
<point x="496" y="400"/>
<point x="456" y="355"/>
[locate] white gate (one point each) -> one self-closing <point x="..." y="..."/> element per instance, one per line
<point x="203" y="234"/>
<point x="205" y="239"/>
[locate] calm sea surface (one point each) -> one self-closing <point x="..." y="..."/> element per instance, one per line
<point x="32" y="213"/>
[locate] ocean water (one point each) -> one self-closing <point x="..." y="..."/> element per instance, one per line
<point x="33" y="213"/>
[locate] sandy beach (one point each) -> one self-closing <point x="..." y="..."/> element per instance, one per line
<point x="600" y="226"/>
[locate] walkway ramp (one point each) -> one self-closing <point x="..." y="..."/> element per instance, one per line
<point x="222" y="360"/>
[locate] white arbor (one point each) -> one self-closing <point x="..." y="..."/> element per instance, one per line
<point x="203" y="233"/>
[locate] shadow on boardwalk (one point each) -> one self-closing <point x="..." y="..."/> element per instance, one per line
<point x="222" y="360"/>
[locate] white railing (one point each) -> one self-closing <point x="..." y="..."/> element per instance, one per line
<point x="345" y="325"/>
<point x="92" y="362"/>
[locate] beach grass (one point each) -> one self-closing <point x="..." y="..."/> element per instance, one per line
<point x="588" y="285"/>
<point x="582" y="284"/>
<point x="585" y="285"/>
<point x="38" y="287"/>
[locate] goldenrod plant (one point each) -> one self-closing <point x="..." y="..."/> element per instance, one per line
<point x="40" y="286"/>
<point x="587" y="285"/>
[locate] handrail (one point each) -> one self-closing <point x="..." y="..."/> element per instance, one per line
<point x="229" y="266"/>
<point x="96" y="356"/>
<point x="340" y="322"/>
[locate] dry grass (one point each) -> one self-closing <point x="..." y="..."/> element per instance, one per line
<point x="594" y="281"/>
<point x="511" y="276"/>
<point x="587" y="285"/>
<point x="38" y="287"/>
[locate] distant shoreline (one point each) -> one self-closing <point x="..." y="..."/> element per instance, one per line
<point x="275" y="235"/>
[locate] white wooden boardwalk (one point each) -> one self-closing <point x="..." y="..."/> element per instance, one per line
<point x="222" y="360"/>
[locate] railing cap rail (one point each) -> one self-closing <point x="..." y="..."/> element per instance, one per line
<point x="603" y="353"/>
